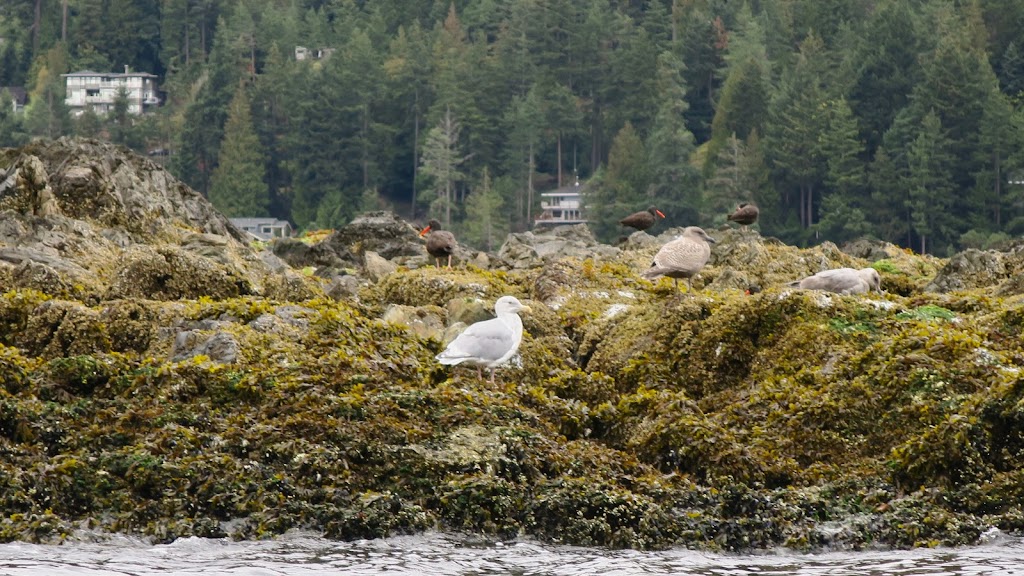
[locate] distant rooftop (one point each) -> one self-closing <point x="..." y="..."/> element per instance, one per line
<point x="264" y="228"/>
<point x="125" y="74"/>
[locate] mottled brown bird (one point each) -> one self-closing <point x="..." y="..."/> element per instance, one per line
<point x="745" y="215"/>
<point x="683" y="257"/>
<point x="440" y="243"/>
<point x="642" y="220"/>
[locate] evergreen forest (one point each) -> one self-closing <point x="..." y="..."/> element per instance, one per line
<point x="897" y="119"/>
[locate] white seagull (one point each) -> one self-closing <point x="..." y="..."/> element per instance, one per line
<point x="490" y="343"/>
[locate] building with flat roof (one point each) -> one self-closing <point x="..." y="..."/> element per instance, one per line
<point x="97" y="91"/>
<point x="562" y="206"/>
<point x="264" y="228"/>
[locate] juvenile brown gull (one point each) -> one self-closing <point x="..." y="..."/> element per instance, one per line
<point x="842" y="281"/>
<point x="490" y="343"/>
<point x="683" y="257"/>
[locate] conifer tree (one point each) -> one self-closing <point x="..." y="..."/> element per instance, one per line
<point x="797" y="127"/>
<point x="724" y="190"/>
<point x="406" y="69"/>
<point x="930" y="186"/>
<point x="238" y="187"/>
<point x="744" y="99"/>
<point x="10" y="124"/>
<point x="622" y="188"/>
<point x="675" y="182"/>
<point x="202" y="130"/>
<point x="441" y="162"/>
<point x="46" y="114"/>
<point x="756" y="178"/>
<point x="998" y="139"/>
<point x="526" y="125"/>
<point x="486" y="218"/>
<point x="889" y="211"/>
<point x="842" y="206"/>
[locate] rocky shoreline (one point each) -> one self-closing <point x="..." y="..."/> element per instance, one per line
<point x="161" y="376"/>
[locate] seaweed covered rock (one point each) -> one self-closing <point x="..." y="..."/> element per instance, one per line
<point x="159" y="377"/>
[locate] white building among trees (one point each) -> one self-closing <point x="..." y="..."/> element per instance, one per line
<point x="99" y="91"/>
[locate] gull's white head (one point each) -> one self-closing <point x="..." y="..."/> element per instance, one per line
<point x="509" y="304"/>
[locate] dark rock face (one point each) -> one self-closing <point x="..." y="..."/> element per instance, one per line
<point x="92" y="221"/>
<point x="105" y="185"/>
<point x="869" y="249"/>
<point x="969" y="269"/>
<point x="298" y="254"/>
<point x="382" y="232"/>
<point x="533" y="249"/>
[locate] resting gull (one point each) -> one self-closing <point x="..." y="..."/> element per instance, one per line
<point x="842" y="281"/>
<point x="745" y="215"/>
<point x="440" y="243"/>
<point x="683" y="257"/>
<point x="490" y="343"/>
<point x="642" y="220"/>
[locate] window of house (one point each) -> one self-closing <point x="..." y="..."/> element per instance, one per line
<point x="90" y="92"/>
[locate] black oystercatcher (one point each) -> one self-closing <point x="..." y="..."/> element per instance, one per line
<point x="440" y="243"/>
<point x="642" y="220"/>
<point x="745" y="215"/>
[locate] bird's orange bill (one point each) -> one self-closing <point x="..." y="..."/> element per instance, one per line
<point x="425" y="230"/>
<point x="659" y="212"/>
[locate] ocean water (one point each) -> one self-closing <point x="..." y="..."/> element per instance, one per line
<point x="431" y="554"/>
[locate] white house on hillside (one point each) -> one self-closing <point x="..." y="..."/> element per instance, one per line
<point x="562" y="206"/>
<point x="98" y="90"/>
<point x="264" y="228"/>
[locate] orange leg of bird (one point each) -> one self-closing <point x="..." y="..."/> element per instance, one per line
<point x="449" y="261"/>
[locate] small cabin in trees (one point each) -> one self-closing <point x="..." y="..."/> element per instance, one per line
<point x="19" y="97"/>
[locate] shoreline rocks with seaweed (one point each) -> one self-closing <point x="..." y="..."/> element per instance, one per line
<point x="160" y="376"/>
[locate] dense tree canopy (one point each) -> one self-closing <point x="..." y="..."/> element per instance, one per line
<point x="894" y="118"/>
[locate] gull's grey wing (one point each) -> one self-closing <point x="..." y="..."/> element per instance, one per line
<point x="484" y="341"/>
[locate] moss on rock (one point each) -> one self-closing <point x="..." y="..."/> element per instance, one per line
<point x="641" y="417"/>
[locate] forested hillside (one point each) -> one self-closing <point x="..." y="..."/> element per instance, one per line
<point x="841" y="118"/>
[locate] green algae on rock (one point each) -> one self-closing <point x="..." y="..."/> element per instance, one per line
<point x="232" y="400"/>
